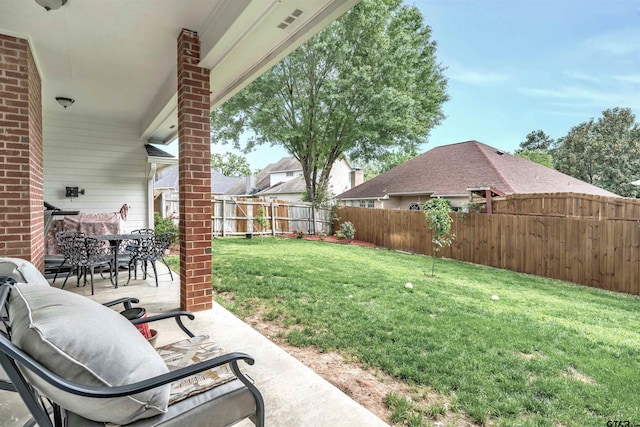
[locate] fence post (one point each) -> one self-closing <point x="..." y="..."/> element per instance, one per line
<point x="249" y="220"/>
<point x="273" y="219"/>
<point x="224" y="208"/>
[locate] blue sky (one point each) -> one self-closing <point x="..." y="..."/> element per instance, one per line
<point x="515" y="66"/>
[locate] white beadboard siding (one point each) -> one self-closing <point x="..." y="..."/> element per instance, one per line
<point x="107" y="160"/>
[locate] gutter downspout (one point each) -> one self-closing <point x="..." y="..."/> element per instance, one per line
<point x="153" y="167"/>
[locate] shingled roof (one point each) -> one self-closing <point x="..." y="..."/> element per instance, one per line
<point x="219" y="182"/>
<point x="263" y="180"/>
<point x="450" y="170"/>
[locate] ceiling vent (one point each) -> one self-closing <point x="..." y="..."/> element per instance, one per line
<point x="290" y="19"/>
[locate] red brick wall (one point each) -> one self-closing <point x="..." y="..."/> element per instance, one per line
<point x="21" y="157"/>
<point x="194" y="175"/>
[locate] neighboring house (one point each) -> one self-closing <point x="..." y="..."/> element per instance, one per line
<point x="166" y="189"/>
<point x="284" y="180"/>
<point x="458" y="172"/>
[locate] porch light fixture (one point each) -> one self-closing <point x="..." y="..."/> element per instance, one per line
<point x="51" y="4"/>
<point x="72" y="192"/>
<point x="65" y="102"/>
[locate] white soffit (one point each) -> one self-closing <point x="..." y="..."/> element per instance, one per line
<point x="238" y="52"/>
<point x="117" y="58"/>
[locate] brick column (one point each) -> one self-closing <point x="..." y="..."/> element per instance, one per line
<point x="21" y="157"/>
<point x="194" y="127"/>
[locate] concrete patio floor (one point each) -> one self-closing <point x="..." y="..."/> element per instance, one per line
<point x="294" y="395"/>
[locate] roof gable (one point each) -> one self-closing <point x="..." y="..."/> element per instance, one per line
<point x="169" y="178"/>
<point x="293" y="186"/>
<point x="450" y="170"/>
<point x="286" y="164"/>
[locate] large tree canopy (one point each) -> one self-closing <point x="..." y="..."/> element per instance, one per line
<point x="230" y="164"/>
<point x="603" y="152"/>
<point x="387" y="161"/>
<point x="541" y="157"/>
<point x="367" y="85"/>
<point x="536" y="140"/>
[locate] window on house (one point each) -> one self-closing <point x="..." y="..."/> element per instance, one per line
<point x="362" y="204"/>
<point x="414" y="207"/>
<point x="370" y="204"/>
<point x="290" y="173"/>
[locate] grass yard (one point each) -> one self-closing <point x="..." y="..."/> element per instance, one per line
<point x="545" y="353"/>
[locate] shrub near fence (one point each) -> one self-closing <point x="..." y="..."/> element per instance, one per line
<point x="599" y="253"/>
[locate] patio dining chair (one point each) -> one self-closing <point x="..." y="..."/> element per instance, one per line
<point x="163" y="241"/>
<point x="148" y="251"/>
<point x="63" y="238"/>
<point x="61" y="373"/>
<point x="85" y="254"/>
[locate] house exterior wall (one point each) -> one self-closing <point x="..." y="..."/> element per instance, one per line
<point x="365" y="203"/>
<point x="402" y="202"/>
<point x="277" y="177"/>
<point x="339" y="178"/>
<point x="169" y="206"/>
<point x="107" y="160"/>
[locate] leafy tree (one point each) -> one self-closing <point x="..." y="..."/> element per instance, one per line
<point x="387" y="161"/>
<point x="366" y="85"/>
<point x="536" y="140"/>
<point x="263" y="221"/>
<point x="230" y="164"/>
<point x="603" y="152"/>
<point x="542" y="157"/>
<point x="436" y="211"/>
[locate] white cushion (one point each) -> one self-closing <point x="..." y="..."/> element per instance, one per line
<point x="22" y="271"/>
<point x="85" y="342"/>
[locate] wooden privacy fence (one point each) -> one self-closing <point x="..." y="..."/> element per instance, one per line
<point x="599" y="253"/>
<point x="568" y="204"/>
<point x="238" y="216"/>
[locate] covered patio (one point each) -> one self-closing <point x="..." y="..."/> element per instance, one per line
<point x="294" y="395"/>
<point x="85" y="85"/>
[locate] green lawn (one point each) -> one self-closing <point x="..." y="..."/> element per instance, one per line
<point x="545" y="353"/>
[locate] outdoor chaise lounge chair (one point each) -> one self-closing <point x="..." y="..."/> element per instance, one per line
<point x="104" y="372"/>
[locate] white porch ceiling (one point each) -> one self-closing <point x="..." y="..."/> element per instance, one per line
<point x="117" y="58"/>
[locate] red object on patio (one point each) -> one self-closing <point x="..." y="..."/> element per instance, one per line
<point x="138" y="313"/>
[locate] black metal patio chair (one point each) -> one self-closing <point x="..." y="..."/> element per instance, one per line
<point x="85" y="254"/>
<point x="148" y="251"/>
<point x="61" y="372"/>
<point x="17" y="270"/>
<point x="63" y="238"/>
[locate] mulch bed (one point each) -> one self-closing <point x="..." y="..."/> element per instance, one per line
<point x="332" y="239"/>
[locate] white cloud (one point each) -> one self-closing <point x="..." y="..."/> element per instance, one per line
<point x="600" y="98"/>
<point x="580" y="76"/>
<point x="478" y="77"/>
<point x="544" y="93"/>
<point x="618" y="43"/>
<point x="630" y="78"/>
